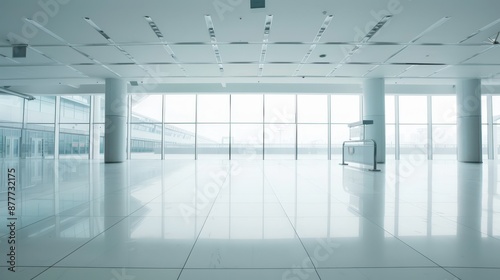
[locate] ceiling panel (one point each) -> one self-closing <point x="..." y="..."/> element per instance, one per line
<point x="349" y="70"/>
<point x="32" y="57"/>
<point x="386" y="71"/>
<point x="35" y="72"/>
<point x="315" y="70"/>
<point x="195" y="53"/>
<point x="462" y="71"/>
<point x="374" y="53"/>
<point x="279" y="69"/>
<point x="201" y="70"/>
<point x="489" y="57"/>
<point x="149" y="54"/>
<point x="129" y="71"/>
<point x="240" y="53"/>
<point x="420" y="71"/>
<point x="286" y="53"/>
<point x="247" y="70"/>
<point x="65" y="55"/>
<point x="167" y="70"/>
<point x="95" y="71"/>
<point x="248" y="27"/>
<point x="436" y="54"/>
<point x="105" y="54"/>
<point x="334" y="53"/>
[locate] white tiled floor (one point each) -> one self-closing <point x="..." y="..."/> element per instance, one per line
<point x="215" y="219"/>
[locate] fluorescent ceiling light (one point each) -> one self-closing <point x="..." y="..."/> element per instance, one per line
<point x="166" y="46"/>
<point x="481" y="30"/>
<point x="430" y="28"/>
<point x="213" y="40"/>
<point x="15" y="93"/>
<point x="316" y="39"/>
<point x="57" y="37"/>
<point x="263" y="52"/>
<point x="376" y="28"/>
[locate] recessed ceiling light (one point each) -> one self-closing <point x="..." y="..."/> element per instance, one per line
<point x="322" y="55"/>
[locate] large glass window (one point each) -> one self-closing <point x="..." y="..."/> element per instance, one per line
<point x="312" y="129"/>
<point x="413" y="124"/>
<point x="280" y="128"/>
<point x="146" y="126"/>
<point x="179" y="129"/>
<point x="213" y="141"/>
<point x="444" y="129"/>
<point x="246" y="108"/>
<point x="496" y="124"/>
<point x="390" y="125"/>
<point x="213" y="108"/>
<point x="179" y="141"/>
<point x="11" y="118"/>
<point x="180" y="108"/>
<point x="279" y="141"/>
<point x="246" y="141"/>
<point x="345" y="109"/>
<point x="74" y="136"/>
<point x="279" y="108"/>
<point x="39" y="134"/>
<point x="98" y="126"/>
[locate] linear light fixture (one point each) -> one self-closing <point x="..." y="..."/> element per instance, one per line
<point x="481" y="30"/>
<point x="316" y="39"/>
<point x="16" y="93"/>
<point x="365" y="39"/>
<point x="213" y="40"/>
<point x="41" y="27"/>
<point x="418" y="37"/>
<point x="9" y="59"/>
<point x="165" y="45"/>
<point x="113" y="43"/>
<point x="376" y="28"/>
<point x="263" y="52"/>
<point x="57" y="37"/>
<point x="430" y="28"/>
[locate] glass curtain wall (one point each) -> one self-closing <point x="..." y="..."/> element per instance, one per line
<point x="11" y="123"/>
<point x="247" y="116"/>
<point x="237" y="126"/>
<point x="179" y="128"/>
<point x="146" y="126"/>
<point x="38" y="136"/>
<point x="413" y="136"/>
<point x="279" y="126"/>
<point x="345" y="109"/>
<point x="74" y="122"/>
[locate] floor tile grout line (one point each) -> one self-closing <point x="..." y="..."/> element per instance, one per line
<point x="291" y="224"/>
<point x="260" y="268"/>
<point x="411" y="247"/>
<point x="31" y="224"/>
<point x="204" y="222"/>
<point x="93" y="238"/>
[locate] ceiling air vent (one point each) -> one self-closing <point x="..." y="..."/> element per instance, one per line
<point x="19" y="51"/>
<point x="257" y="4"/>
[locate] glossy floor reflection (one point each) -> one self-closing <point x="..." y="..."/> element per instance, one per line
<point x="216" y="219"/>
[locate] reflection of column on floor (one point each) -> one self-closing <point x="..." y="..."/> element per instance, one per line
<point x="470" y="181"/>
<point x="116" y="197"/>
<point x="367" y="190"/>
<point x="492" y="190"/>
<point x="372" y="204"/>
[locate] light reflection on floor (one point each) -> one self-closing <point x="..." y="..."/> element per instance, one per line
<point x="274" y="219"/>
